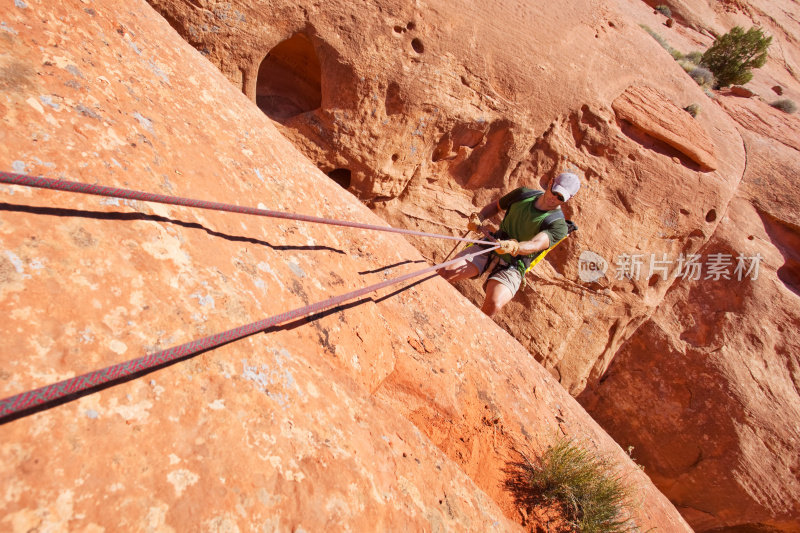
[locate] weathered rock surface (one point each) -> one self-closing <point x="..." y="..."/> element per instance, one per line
<point x="394" y="412"/>
<point x="735" y="453"/>
<point x="729" y="374"/>
<point x="732" y="376"/>
<point x="428" y="112"/>
<point x="766" y="121"/>
<point x="652" y="113"/>
<point x="742" y="92"/>
<point x="429" y="136"/>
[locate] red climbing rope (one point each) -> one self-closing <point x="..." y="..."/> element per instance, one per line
<point x="34" y="398"/>
<point x="127" y="194"/>
<point x="19" y="404"/>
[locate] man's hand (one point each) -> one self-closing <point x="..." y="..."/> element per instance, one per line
<point x="474" y="222"/>
<point x="510" y="247"/>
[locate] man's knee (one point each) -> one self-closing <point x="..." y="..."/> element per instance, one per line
<point x="497" y="296"/>
<point x="492" y="306"/>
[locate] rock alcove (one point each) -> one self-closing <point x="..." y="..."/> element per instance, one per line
<point x="289" y="79"/>
<point x="341" y="176"/>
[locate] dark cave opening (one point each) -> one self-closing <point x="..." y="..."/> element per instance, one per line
<point x="341" y="176"/>
<point x="289" y="79"/>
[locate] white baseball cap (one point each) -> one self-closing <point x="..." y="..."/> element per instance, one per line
<point x="566" y="184"/>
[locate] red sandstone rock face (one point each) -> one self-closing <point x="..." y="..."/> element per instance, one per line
<point x="729" y="380"/>
<point x="426" y="114"/>
<point x="767" y="122"/>
<point x="396" y="412"/>
<point x="652" y="113"/>
<point x="742" y="92"/>
<point x="428" y="136"/>
<point x="705" y="389"/>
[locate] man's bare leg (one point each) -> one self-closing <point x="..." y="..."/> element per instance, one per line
<point x="459" y="271"/>
<point x="497" y="295"/>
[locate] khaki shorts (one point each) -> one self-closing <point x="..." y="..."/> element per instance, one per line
<point x="505" y="274"/>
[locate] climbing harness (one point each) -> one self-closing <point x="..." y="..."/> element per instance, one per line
<point x="496" y="263"/>
<point x="532" y="260"/>
<point x="21" y="404"/>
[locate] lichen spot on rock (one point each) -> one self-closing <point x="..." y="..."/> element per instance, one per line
<point x="289" y="79"/>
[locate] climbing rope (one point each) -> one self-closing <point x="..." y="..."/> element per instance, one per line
<point x="127" y="194"/>
<point x="24" y="403"/>
<point x="50" y="393"/>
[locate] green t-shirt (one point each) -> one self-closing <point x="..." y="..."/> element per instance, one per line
<point x="523" y="222"/>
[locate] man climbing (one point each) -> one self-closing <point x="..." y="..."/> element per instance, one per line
<point x="533" y="223"/>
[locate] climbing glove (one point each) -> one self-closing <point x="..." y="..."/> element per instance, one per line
<point x="510" y="247"/>
<point x="474" y="222"/>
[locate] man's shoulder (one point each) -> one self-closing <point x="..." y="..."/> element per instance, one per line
<point x="517" y="195"/>
<point x="553" y="216"/>
<point x="527" y="192"/>
<point x="555" y="225"/>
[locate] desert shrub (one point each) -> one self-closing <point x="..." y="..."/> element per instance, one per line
<point x="703" y="76"/>
<point x="785" y="105"/>
<point x="664" y="10"/>
<point x="686" y="65"/>
<point x="733" y="55"/>
<point x="695" y="57"/>
<point x="692" y="109"/>
<point x="592" y="494"/>
<point x="658" y="38"/>
<point x="676" y="54"/>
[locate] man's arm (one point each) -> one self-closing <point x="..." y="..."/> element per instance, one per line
<point x="490" y="210"/>
<point x="476" y="219"/>
<point x="541" y="241"/>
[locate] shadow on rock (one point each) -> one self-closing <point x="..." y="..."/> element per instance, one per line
<point x="103" y="215"/>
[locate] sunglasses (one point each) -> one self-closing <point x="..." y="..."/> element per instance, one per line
<point x="557" y="195"/>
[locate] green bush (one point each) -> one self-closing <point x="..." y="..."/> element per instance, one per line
<point x="692" y="109"/>
<point x="733" y="55"/>
<point x="664" y="10"/>
<point x="676" y="54"/>
<point x="593" y="496"/>
<point x="785" y="105"/>
<point x="703" y="76"/>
